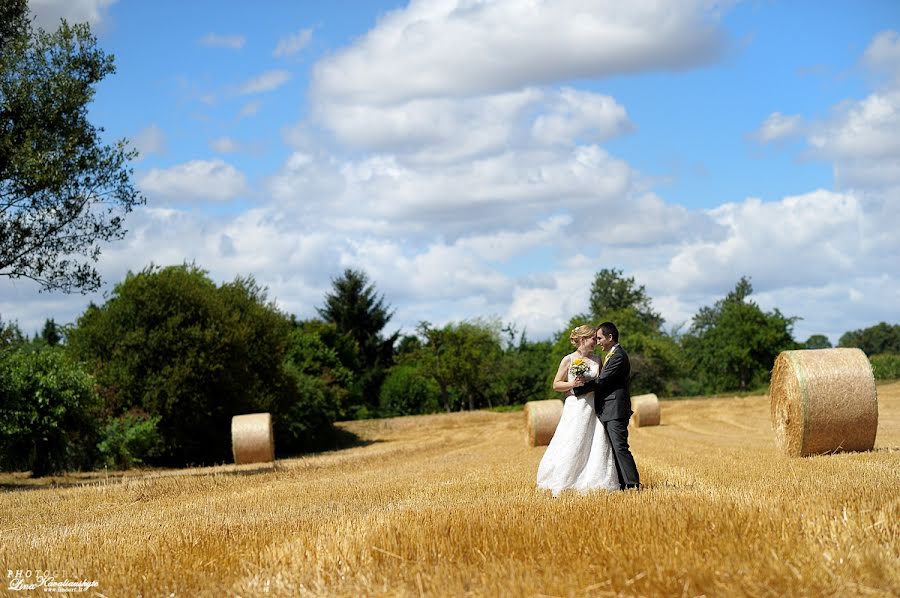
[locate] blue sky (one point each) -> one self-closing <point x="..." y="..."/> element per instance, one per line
<point x="487" y="158"/>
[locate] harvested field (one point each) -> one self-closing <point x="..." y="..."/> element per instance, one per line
<point x="445" y="505"/>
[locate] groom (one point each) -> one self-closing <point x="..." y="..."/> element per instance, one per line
<point x="612" y="400"/>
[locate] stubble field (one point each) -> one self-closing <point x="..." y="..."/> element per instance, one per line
<point x="445" y="505"/>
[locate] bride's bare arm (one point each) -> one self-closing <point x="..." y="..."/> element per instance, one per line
<point x="561" y="382"/>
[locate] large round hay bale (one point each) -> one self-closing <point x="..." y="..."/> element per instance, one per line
<point x="823" y="401"/>
<point x="251" y="438"/>
<point x="541" y="419"/>
<point x="646" y="410"/>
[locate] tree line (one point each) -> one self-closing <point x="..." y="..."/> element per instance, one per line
<point x="154" y="374"/>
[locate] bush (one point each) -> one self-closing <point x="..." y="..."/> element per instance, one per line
<point x="48" y="412"/>
<point x="129" y="439"/>
<point x="172" y="344"/>
<point x="886" y="366"/>
<point x="406" y="391"/>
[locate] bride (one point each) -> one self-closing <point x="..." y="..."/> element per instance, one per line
<point x="579" y="456"/>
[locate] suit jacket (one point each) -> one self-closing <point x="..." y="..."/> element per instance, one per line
<point x="612" y="395"/>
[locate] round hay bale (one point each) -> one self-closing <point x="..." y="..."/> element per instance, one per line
<point x="251" y="438"/>
<point x="823" y="401"/>
<point x="541" y="419"/>
<point x="646" y="410"/>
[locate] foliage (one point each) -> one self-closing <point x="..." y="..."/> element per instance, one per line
<point x="886" y="366"/>
<point x="62" y="191"/>
<point x="305" y="423"/>
<point x="612" y="293"/>
<point x="318" y="349"/>
<point x="880" y="338"/>
<point x="817" y="341"/>
<point x="407" y="390"/>
<point x="733" y="344"/>
<point x="168" y="341"/>
<point x="129" y="439"/>
<point x="48" y="410"/>
<point x="355" y="308"/>
<point x="10" y="335"/>
<point x="466" y="361"/>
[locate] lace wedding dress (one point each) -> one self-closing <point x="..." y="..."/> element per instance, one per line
<point x="579" y="456"/>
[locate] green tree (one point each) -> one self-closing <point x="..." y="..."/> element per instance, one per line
<point x="51" y="335"/>
<point x="817" y="341"/>
<point x="173" y="344"/>
<point x="10" y="335"/>
<point x="48" y="412"/>
<point x="357" y="310"/>
<point x="408" y="390"/>
<point x="733" y="344"/>
<point x="880" y="338"/>
<point x="611" y="292"/>
<point x="62" y="191"/>
<point x="466" y="361"/>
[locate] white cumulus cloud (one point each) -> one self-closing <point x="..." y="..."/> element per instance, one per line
<point x="211" y="180"/>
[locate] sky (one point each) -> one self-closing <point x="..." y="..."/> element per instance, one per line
<point x="486" y="158"/>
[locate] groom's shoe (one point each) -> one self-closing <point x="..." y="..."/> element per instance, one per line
<point x="633" y="487"/>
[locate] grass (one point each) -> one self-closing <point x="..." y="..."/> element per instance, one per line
<point x="445" y="505"/>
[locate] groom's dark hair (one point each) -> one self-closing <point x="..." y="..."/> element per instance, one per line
<point x="608" y="329"/>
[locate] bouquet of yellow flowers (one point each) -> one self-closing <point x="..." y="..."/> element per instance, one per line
<point x="579" y="367"/>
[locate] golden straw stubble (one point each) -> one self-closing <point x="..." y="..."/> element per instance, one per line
<point x="823" y="401"/>
<point x="252" y="440"/>
<point x="541" y="419"/>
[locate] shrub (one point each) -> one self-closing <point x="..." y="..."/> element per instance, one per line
<point x="129" y="439"/>
<point x="48" y="412"/>
<point x="886" y="366"/>
<point x="406" y="391"/>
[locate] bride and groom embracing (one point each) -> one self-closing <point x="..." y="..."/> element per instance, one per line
<point x="589" y="450"/>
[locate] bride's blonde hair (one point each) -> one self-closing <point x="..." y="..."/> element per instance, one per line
<point x="583" y="331"/>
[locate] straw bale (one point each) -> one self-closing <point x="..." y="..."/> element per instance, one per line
<point x="823" y="401"/>
<point x="646" y="410"/>
<point x="251" y="438"/>
<point x="541" y="419"/>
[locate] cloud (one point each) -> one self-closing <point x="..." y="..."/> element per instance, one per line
<point x="48" y="12"/>
<point x="224" y="145"/>
<point x="214" y="40"/>
<point x="802" y="240"/>
<point x="268" y="81"/>
<point x="882" y="56"/>
<point x="211" y="180"/>
<point x="573" y="114"/>
<point x="250" y="108"/>
<point x="778" y="126"/>
<point x="439" y="49"/>
<point x="149" y="140"/>
<point x="291" y="44"/>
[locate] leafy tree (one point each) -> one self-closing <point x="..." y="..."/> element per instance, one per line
<point x="817" y="341"/>
<point x="173" y="344"/>
<point x="408" y="390"/>
<point x="62" y="191"/>
<point x="360" y="313"/>
<point x="10" y="335"/>
<point x="880" y="338"/>
<point x="466" y="361"/>
<point x="51" y="335"/>
<point x="48" y="412"/>
<point x="129" y="439"/>
<point x="733" y="344"/>
<point x="611" y="293"/>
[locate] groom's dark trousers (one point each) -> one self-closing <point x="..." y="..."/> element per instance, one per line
<point x="612" y="401"/>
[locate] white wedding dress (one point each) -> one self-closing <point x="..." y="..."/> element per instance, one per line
<point x="579" y="456"/>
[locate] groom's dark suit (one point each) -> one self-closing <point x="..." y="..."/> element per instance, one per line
<point x="612" y="401"/>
